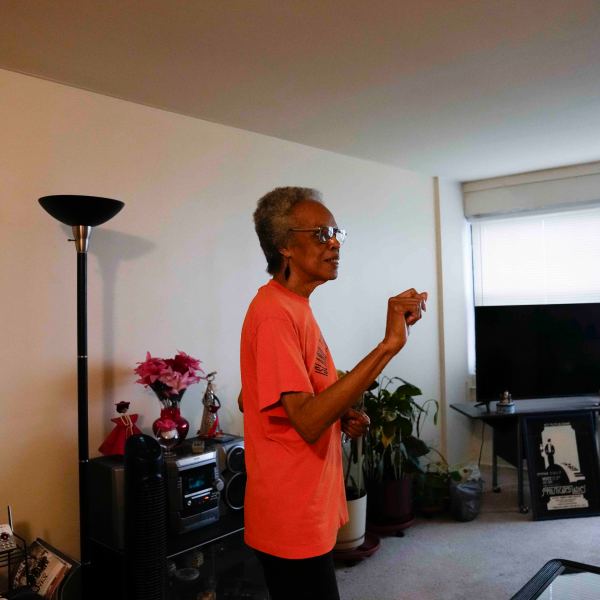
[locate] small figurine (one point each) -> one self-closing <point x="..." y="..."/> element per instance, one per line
<point x="125" y="426"/>
<point x="209" y="427"/>
<point x="505" y="404"/>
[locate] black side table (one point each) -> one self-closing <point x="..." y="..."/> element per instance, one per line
<point x="507" y="438"/>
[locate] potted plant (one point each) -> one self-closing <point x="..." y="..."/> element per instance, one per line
<point x="432" y="487"/>
<point x="394" y="448"/>
<point x="352" y="534"/>
<point x="169" y="378"/>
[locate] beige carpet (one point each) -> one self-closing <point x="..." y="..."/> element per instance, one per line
<point x="491" y="557"/>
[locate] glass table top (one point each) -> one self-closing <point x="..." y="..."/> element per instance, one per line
<point x="573" y="586"/>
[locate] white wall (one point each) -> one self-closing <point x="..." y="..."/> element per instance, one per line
<point x="174" y="270"/>
<point x="455" y="304"/>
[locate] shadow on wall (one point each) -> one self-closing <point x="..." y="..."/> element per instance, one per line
<point x="111" y="249"/>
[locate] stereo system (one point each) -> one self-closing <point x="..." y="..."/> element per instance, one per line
<point x="230" y="459"/>
<point x="199" y="487"/>
<point x="106" y="478"/>
<point x="194" y="487"/>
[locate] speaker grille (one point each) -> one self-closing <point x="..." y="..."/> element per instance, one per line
<point x="235" y="459"/>
<point x="235" y="489"/>
<point x="145" y="519"/>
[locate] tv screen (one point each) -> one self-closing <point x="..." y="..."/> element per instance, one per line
<point x="537" y="351"/>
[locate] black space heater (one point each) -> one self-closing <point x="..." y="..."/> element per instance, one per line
<point x="145" y="519"/>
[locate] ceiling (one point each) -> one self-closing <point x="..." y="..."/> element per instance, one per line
<point x="460" y="89"/>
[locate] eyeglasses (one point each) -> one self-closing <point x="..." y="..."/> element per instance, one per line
<point x="324" y="234"/>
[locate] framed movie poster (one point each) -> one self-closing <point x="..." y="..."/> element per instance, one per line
<point x="562" y="461"/>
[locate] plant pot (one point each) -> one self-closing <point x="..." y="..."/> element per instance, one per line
<point x="352" y="534"/>
<point x="432" y="493"/>
<point x="390" y="501"/>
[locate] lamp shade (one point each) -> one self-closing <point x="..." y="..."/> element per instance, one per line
<point x="81" y="210"/>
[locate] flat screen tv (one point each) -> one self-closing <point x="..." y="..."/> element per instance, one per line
<point x="537" y="351"/>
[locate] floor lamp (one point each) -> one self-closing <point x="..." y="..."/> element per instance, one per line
<point x="82" y="213"/>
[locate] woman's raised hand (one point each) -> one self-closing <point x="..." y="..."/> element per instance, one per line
<point x="404" y="310"/>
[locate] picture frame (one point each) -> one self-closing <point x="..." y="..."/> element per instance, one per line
<point x="562" y="465"/>
<point x="51" y="574"/>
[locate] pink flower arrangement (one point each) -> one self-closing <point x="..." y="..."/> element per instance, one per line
<point x="169" y="377"/>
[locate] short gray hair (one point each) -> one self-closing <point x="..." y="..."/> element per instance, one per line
<point x="272" y="220"/>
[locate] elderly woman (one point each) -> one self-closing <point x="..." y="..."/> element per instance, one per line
<point x="294" y="406"/>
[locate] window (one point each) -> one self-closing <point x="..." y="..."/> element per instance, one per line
<point x="537" y="259"/>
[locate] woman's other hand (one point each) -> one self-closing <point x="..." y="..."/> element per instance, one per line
<point x="404" y="310"/>
<point x="355" y="423"/>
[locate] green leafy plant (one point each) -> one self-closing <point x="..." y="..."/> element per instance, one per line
<point x="393" y="445"/>
<point x="432" y="487"/>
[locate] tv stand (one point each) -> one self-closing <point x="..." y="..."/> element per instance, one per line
<point x="507" y="428"/>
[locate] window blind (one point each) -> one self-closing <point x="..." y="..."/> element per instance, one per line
<point x="537" y="259"/>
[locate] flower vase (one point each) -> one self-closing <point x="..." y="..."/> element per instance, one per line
<point x="173" y="413"/>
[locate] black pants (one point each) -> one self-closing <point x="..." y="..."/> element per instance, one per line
<point x="300" y="579"/>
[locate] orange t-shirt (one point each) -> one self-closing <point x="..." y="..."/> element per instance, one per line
<point x="295" y="500"/>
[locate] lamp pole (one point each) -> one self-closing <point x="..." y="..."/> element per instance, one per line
<point x="82" y="213"/>
<point x="82" y="235"/>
